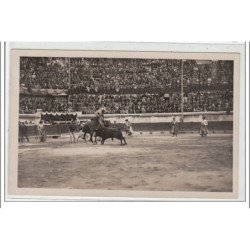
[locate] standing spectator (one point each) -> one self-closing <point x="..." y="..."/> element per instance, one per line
<point x="81" y="133"/>
<point x="203" y="128"/>
<point x="41" y="131"/>
<point x="72" y="129"/>
<point x="114" y="125"/>
<point x="24" y="132"/>
<point x="174" y="127"/>
<point x="128" y="127"/>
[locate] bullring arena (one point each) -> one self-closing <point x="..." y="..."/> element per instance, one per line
<point x="149" y="92"/>
<point x="152" y="160"/>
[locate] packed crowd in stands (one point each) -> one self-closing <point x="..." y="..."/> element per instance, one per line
<point x="128" y="75"/>
<point x="154" y="103"/>
<point x="44" y="72"/>
<point x="30" y="104"/>
<point x="126" y="85"/>
<point x="51" y="117"/>
<point x="96" y="74"/>
<point x="131" y="103"/>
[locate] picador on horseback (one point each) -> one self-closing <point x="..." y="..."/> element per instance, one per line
<point x="98" y="127"/>
<point x="95" y="123"/>
<point x="99" y="115"/>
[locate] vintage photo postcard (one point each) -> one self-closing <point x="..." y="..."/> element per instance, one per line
<point x="122" y="121"/>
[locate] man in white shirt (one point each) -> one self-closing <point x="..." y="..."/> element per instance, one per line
<point x="41" y="131"/>
<point x="128" y="127"/>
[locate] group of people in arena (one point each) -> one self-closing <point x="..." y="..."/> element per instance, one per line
<point x="74" y="127"/>
<point x="203" y="131"/>
<point x="99" y="116"/>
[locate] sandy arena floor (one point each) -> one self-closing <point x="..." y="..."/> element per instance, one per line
<point x="148" y="162"/>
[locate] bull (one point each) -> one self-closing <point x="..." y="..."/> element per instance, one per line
<point x="106" y="133"/>
<point x="90" y="126"/>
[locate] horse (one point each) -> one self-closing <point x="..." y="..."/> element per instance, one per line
<point x="90" y="127"/>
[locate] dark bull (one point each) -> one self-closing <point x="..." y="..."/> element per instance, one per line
<point x="106" y="133"/>
<point x="90" y="126"/>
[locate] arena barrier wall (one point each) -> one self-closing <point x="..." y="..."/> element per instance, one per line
<point x="144" y="118"/>
<point x="163" y="117"/>
<point x="218" y="121"/>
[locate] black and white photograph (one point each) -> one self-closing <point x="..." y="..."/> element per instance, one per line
<point x="124" y="124"/>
